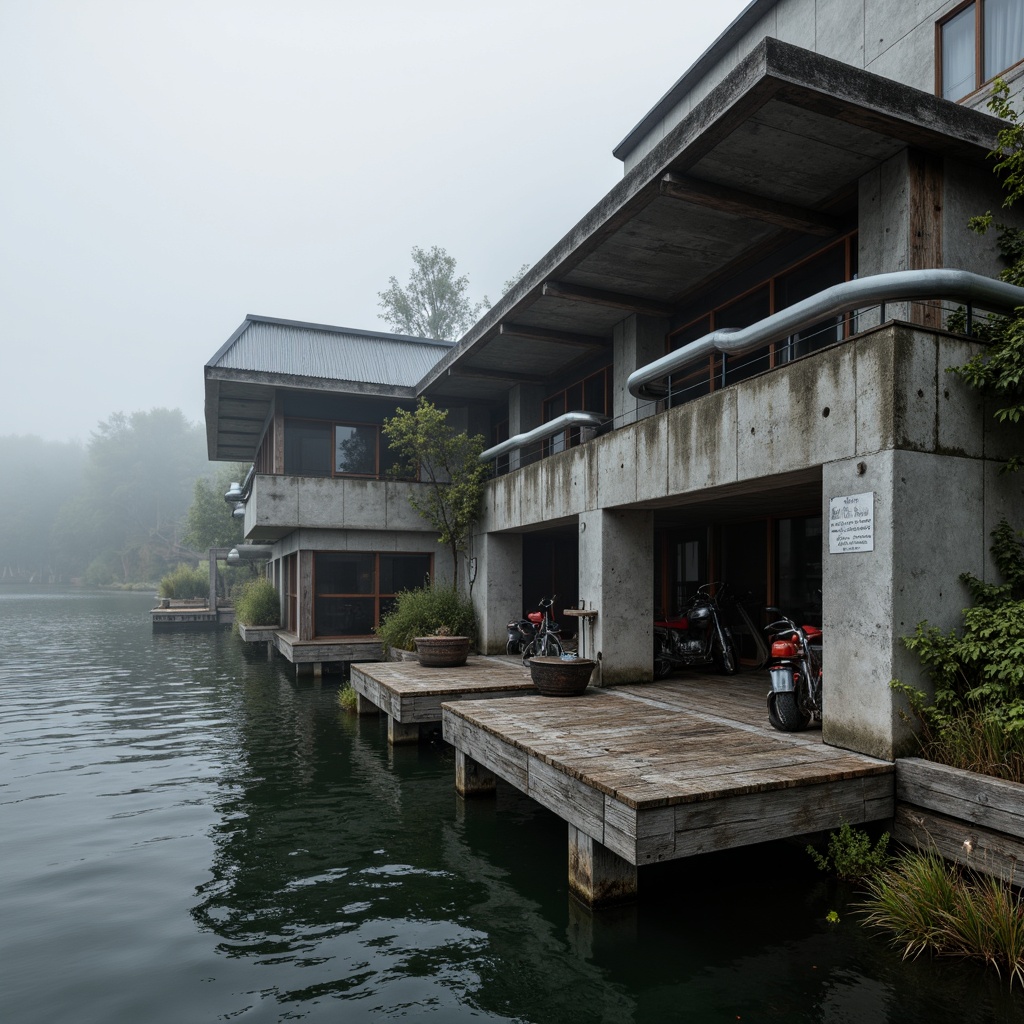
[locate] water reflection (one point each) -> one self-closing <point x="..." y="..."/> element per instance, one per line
<point x="190" y="835"/>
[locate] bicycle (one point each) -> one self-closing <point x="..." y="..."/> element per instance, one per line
<point x="547" y="642"/>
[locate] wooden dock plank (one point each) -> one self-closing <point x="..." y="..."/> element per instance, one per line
<point x="662" y="770"/>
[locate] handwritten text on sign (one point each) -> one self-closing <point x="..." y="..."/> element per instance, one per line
<point x="851" y="523"/>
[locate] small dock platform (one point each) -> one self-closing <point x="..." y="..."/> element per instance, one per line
<point x="660" y="771"/>
<point x="411" y="696"/>
<point x="171" y="616"/>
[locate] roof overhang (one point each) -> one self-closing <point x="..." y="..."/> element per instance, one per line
<point x="770" y="156"/>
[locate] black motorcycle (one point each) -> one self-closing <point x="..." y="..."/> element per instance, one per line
<point x="697" y="637"/>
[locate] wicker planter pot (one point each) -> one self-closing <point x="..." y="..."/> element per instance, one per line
<point x="555" y="677"/>
<point x="442" y="651"/>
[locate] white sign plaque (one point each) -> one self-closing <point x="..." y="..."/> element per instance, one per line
<point x="851" y="523"/>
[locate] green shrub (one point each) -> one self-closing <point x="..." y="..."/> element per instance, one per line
<point x="184" y="582"/>
<point x="347" y="698"/>
<point x="257" y="603"/>
<point x="976" y="718"/>
<point x="423" y="612"/>
<point x="850" y="855"/>
<point x="928" y="904"/>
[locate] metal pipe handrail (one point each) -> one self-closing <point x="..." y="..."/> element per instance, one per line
<point x="901" y="286"/>
<point x="240" y="492"/>
<point x="545" y="430"/>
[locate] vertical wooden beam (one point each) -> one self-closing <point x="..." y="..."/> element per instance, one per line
<point x="400" y="735"/>
<point x="597" y="876"/>
<point x="364" y="706"/>
<point x="305" y="623"/>
<point x="472" y="778"/>
<point x="924" y="196"/>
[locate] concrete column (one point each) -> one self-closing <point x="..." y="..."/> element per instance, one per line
<point x="616" y="579"/>
<point x="498" y="591"/>
<point x="597" y="876"/>
<point x="305" y="623"/>
<point x="472" y="778"/>
<point x="872" y="599"/>
<point x="525" y="411"/>
<point x="636" y="341"/>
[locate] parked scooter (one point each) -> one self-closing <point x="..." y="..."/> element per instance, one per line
<point x="538" y="635"/>
<point x="698" y="637"/>
<point x="795" y="669"/>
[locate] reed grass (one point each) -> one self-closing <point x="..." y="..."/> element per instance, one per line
<point x="929" y="905"/>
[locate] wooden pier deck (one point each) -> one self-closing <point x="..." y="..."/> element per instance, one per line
<point x="659" y="771"/>
<point x="411" y="696"/>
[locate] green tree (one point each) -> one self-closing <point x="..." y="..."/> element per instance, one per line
<point x="434" y="303"/>
<point x="449" y="463"/>
<point x="37" y="475"/>
<point x="208" y="521"/>
<point x="137" y="483"/>
<point x="998" y="372"/>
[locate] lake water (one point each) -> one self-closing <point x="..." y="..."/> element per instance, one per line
<point x="189" y="835"/>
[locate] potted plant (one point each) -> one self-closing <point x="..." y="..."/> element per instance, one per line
<point x="561" y="677"/>
<point x="442" y="649"/>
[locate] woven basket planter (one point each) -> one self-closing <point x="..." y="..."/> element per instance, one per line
<point x="558" y="677"/>
<point x="442" y="651"/>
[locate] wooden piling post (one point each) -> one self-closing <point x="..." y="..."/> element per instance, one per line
<point x="472" y="778"/>
<point x="402" y="733"/>
<point x="597" y="876"/>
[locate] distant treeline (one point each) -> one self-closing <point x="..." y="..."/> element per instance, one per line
<point x="127" y="506"/>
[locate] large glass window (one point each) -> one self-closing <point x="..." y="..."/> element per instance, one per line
<point x="320" y="448"/>
<point x="588" y="395"/>
<point x="829" y="266"/>
<point x="353" y="589"/>
<point x="977" y="42"/>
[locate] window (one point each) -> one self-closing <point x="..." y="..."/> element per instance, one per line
<point x="588" y="395"/>
<point x="977" y="42"/>
<point x="831" y="265"/>
<point x="321" y="448"/>
<point x="353" y="589"/>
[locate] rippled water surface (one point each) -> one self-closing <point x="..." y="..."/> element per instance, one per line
<point x="189" y="835"/>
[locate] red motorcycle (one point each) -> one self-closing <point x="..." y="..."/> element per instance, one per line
<point x="698" y="637"/>
<point x="794" y="665"/>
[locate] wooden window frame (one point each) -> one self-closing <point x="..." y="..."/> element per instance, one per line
<point x="377" y="595"/>
<point x="572" y="437"/>
<point x="980" y="82"/>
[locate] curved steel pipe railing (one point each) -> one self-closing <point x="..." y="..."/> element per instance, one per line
<point x="545" y="430"/>
<point x="906" y="285"/>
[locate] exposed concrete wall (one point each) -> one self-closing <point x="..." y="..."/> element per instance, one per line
<point x="879" y="414"/>
<point x="279" y="504"/>
<point x="894" y="40"/>
<point x="636" y="341"/>
<point x="525" y="411"/>
<point x="498" y="591"/>
<point x="616" y="569"/>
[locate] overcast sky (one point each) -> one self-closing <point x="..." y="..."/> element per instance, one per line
<point x="169" y="166"/>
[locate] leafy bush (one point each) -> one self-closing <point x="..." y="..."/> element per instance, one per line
<point x="976" y="718"/>
<point x="184" y="582"/>
<point x="423" y="612"/>
<point x="850" y="854"/>
<point x="928" y="904"/>
<point x="257" y="603"/>
<point x="347" y="698"/>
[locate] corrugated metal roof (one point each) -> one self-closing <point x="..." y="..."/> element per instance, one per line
<point x="289" y="347"/>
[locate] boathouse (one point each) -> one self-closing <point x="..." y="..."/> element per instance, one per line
<point x="756" y="322"/>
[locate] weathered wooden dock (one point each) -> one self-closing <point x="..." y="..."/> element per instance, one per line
<point x="411" y="696"/>
<point x="660" y="771"/>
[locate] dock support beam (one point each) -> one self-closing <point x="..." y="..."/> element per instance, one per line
<point x="401" y="733"/>
<point x="472" y="778"/>
<point x="597" y="876"/>
<point x="365" y="706"/>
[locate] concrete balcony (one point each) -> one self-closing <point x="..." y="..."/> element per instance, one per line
<point x="280" y="505"/>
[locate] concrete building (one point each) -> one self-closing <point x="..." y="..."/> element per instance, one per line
<point x="805" y="158"/>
